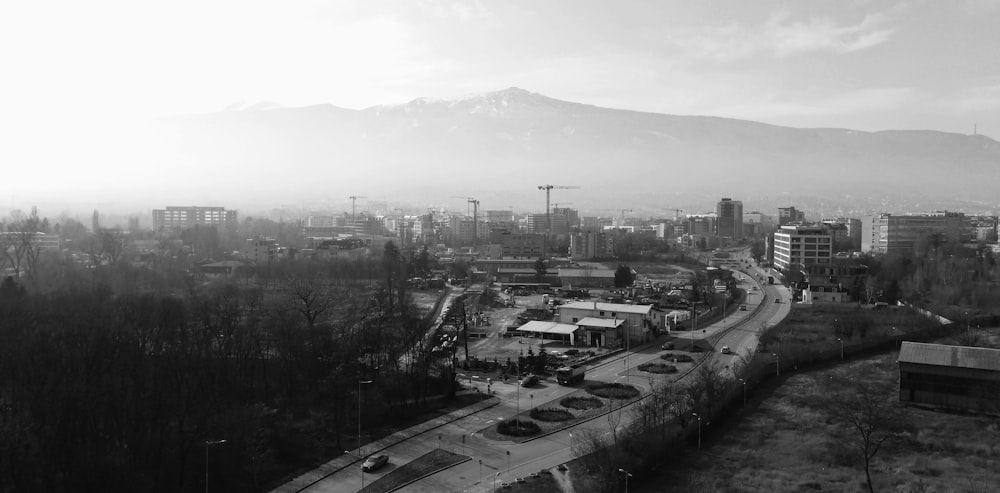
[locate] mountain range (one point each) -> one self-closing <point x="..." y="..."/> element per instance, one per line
<point x="500" y="146"/>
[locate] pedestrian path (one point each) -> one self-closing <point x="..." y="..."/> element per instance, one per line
<point x="320" y="473"/>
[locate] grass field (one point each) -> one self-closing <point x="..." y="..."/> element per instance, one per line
<point x="429" y="463"/>
<point x="787" y="441"/>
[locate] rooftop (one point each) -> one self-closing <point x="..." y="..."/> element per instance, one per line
<point x="957" y="356"/>
<point x="608" y="307"/>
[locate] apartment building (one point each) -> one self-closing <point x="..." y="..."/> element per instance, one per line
<point x="891" y="233"/>
<point x="177" y="218"/>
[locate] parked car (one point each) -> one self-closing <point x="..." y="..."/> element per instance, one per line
<point x="529" y="380"/>
<point x="571" y="352"/>
<point x="667" y="345"/>
<point x="777" y="300"/>
<point x="726" y="350"/>
<point x="374" y="462"/>
<point x="743" y="308"/>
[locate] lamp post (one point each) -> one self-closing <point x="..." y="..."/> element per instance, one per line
<point x="361" y="454"/>
<point x="480" y="471"/>
<point x="699" y="429"/>
<point x="627" y="475"/>
<point x="495" y="480"/>
<point x="207" y="443"/>
<point x="841" y="341"/>
<point x="531" y="402"/>
<point x="777" y="364"/>
<point x="744" y="382"/>
<point x="508" y="461"/>
<point x="895" y="337"/>
<point x="517" y="417"/>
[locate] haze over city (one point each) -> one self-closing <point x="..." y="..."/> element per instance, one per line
<point x="89" y="85"/>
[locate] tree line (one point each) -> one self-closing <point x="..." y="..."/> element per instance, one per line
<point x="113" y="378"/>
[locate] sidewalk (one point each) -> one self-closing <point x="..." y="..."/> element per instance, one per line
<point x="328" y="469"/>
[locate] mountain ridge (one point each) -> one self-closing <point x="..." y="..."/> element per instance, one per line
<point x="498" y="140"/>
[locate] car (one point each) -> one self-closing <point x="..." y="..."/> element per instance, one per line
<point x="726" y="350"/>
<point x="743" y="308"/>
<point x="777" y="300"/>
<point x="571" y="352"/>
<point x="667" y="345"/>
<point x="374" y="462"/>
<point x="529" y="380"/>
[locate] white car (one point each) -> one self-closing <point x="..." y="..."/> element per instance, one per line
<point x="726" y="350"/>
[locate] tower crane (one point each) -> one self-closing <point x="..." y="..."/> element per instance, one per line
<point x="475" y="213"/>
<point x="677" y="212"/>
<point x="475" y="222"/>
<point x="354" y="199"/>
<point x="548" y="190"/>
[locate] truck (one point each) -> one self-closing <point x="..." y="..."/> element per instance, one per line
<point x="568" y="375"/>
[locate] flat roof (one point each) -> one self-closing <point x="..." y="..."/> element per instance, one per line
<point x="957" y="356"/>
<point x="608" y="307"/>
<point x="601" y="322"/>
<point x="602" y="273"/>
<point x="548" y="327"/>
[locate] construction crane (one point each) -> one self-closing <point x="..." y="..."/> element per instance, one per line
<point x="475" y="221"/>
<point x="468" y="201"/>
<point x="354" y="199"/>
<point x="548" y="190"/>
<point x="677" y="212"/>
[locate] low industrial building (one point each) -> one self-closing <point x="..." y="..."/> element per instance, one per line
<point x="956" y="377"/>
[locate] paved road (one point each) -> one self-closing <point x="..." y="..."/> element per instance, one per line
<point x="739" y="331"/>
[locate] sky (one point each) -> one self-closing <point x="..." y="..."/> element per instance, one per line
<point x="72" y="70"/>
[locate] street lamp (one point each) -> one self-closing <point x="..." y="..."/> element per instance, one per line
<point x="841" y="341"/>
<point x="699" y="429"/>
<point x="531" y="401"/>
<point x="480" y="471"/>
<point x="508" y="461"/>
<point x="517" y="417"/>
<point x="777" y="364"/>
<point x="207" y="443"/>
<point x="361" y="454"/>
<point x="895" y="337"/>
<point x="627" y="475"/>
<point x="495" y="480"/>
<point x="744" y="382"/>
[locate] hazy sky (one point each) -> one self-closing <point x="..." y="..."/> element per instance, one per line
<point x="860" y="64"/>
<point x="71" y="66"/>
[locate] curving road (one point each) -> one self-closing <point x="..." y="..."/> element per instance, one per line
<point x="739" y="331"/>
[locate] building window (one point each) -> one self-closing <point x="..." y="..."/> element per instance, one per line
<point x="602" y="314"/>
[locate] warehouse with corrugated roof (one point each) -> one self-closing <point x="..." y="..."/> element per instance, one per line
<point x="957" y="377"/>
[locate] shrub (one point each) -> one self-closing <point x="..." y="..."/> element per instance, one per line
<point x="612" y="390"/>
<point x="519" y="428"/>
<point x="551" y="414"/>
<point x="658" y="368"/>
<point x="581" y="403"/>
<point x="677" y="358"/>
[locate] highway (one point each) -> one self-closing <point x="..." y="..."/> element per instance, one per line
<point x="511" y="460"/>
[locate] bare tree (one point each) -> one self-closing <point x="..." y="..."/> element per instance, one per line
<point x="869" y="418"/>
<point x="112" y="243"/>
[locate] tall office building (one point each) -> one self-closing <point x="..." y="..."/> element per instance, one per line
<point x="800" y="246"/>
<point x="729" y="220"/>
